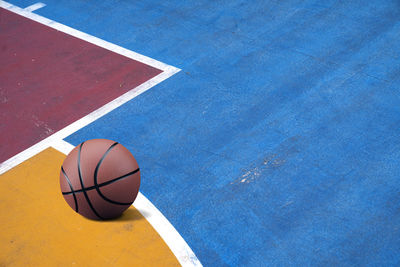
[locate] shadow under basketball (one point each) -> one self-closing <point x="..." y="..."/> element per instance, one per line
<point x="130" y="214"/>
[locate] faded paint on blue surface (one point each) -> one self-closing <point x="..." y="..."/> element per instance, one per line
<point x="278" y="142"/>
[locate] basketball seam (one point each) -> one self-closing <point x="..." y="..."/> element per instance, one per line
<point x="81" y="180"/>
<point x="95" y="178"/>
<point x="102" y="184"/>
<point x="72" y="189"/>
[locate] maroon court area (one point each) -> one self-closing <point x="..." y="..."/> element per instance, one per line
<point x="49" y="79"/>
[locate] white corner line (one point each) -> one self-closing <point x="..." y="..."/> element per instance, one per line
<point x="34" y="7"/>
<point x="87" y="37"/>
<point x="168" y="71"/>
<point x="91" y="117"/>
<point x="62" y="146"/>
<point x="164" y="228"/>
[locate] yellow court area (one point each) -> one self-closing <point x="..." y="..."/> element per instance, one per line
<point x="38" y="228"/>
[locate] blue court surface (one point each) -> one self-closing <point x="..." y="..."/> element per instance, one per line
<point x="278" y="142"/>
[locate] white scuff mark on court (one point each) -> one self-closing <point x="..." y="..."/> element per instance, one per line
<point x="251" y="175"/>
<point x="287" y="204"/>
<point x="3" y="97"/>
<point x="245" y="177"/>
<point x="41" y="124"/>
<point x="34" y="7"/>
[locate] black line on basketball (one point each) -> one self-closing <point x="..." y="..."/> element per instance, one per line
<point x="83" y="186"/>
<point x="102" y="184"/>
<point x="119" y="178"/>
<point x="95" y="178"/>
<point x="70" y="186"/>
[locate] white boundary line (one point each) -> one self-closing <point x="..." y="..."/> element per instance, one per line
<point x="62" y="146"/>
<point x="91" y="117"/>
<point x="34" y="7"/>
<point x="164" y="228"/>
<point x="168" y="233"/>
<point x="87" y="37"/>
<point x="168" y="71"/>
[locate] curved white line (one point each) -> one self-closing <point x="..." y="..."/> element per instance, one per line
<point x="164" y="228"/>
<point x="172" y="238"/>
<point x="167" y="231"/>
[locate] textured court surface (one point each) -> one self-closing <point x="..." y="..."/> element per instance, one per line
<point x="53" y="80"/>
<point x="278" y="142"/>
<point x="39" y="229"/>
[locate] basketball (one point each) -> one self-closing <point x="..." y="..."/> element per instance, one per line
<point x="100" y="179"/>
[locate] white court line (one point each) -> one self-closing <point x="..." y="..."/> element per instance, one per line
<point x="91" y="117"/>
<point x="34" y="7"/>
<point x="164" y="228"/>
<point x="172" y="238"/>
<point x="62" y="146"/>
<point x="168" y="71"/>
<point x="89" y="38"/>
<point x="167" y="231"/>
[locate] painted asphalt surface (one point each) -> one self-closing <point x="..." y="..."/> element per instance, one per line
<point x="57" y="79"/>
<point x="278" y="141"/>
<point x="45" y="231"/>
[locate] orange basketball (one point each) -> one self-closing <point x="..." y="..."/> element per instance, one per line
<point x="100" y="179"/>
